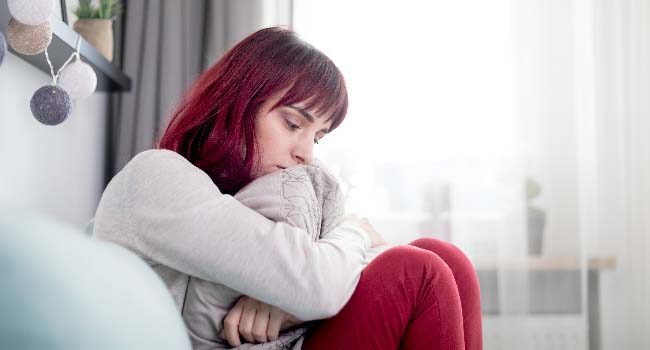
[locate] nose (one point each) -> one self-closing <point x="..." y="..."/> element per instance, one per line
<point x="303" y="152"/>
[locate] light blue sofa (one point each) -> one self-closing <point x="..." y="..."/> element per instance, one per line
<point x="59" y="289"/>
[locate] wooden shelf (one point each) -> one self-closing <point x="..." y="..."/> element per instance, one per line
<point x="64" y="39"/>
<point x="544" y="263"/>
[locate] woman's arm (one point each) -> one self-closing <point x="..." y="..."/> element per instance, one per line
<point x="170" y="212"/>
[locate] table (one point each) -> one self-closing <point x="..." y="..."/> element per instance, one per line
<point x="554" y="285"/>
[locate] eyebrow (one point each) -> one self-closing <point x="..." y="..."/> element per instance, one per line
<point x="307" y="116"/>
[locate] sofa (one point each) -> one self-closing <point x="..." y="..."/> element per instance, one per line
<point x="59" y="289"/>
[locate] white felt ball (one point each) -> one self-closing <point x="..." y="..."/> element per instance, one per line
<point x="51" y="105"/>
<point x="3" y="47"/>
<point x="78" y="79"/>
<point x="31" y="12"/>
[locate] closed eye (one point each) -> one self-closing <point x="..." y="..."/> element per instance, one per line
<point x="292" y="126"/>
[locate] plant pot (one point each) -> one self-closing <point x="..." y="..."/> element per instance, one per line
<point x="536" y="224"/>
<point x="98" y="32"/>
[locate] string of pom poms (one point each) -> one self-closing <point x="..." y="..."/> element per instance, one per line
<point x="29" y="33"/>
<point x="51" y="105"/>
<point x="73" y="55"/>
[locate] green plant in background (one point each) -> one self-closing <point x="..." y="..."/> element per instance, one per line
<point x="107" y="9"/>
<point x="84" y="9"/>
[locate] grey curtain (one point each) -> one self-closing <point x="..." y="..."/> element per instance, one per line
<point x="165" y="45"/>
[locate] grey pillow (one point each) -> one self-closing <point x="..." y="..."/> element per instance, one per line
<point x="305" y="196"/>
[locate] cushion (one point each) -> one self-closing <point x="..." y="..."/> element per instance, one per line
<point x="62" y="290"/>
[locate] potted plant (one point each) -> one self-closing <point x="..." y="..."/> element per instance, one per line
<point x="95" y="24"/>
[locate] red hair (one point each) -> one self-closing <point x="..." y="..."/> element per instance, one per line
<point x="214" y="125"/>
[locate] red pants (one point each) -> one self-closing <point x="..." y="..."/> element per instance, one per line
<point x="424" y="295"/>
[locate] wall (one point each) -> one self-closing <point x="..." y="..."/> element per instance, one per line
<point x="54" y="170"/>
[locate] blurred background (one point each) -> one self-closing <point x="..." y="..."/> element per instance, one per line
<point x="517" y="130"/>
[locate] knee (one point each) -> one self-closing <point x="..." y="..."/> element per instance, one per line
<point x="410" y="262"/>
<point x="435" y="244"/>
<point x="458" y="262"/>
<point x="447" y="251"/>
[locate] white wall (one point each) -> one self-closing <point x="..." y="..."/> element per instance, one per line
<point x="54" y="170"/>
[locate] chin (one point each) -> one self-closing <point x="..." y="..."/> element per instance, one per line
<point x="268" y="170"/>
<point x="275" y="168"/>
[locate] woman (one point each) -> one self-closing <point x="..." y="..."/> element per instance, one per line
<point x="259" y="110"/>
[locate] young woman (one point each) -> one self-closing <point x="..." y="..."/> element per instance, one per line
<point x="259" y="110"/>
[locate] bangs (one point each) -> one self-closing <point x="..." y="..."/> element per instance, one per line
<point x="320" y="88"/>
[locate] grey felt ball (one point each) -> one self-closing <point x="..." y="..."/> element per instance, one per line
<point x="51" y="105"/>
<point x="3" y="47"/>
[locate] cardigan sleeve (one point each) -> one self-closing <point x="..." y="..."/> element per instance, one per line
<point x="169" y="212"/>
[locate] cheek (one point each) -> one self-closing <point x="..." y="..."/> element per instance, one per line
<point x="276" y="145"/>
<point x="272" y="144"/>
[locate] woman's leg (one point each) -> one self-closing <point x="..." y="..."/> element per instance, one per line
<point x="468" y="287"/>
<point x="406" y="298"/>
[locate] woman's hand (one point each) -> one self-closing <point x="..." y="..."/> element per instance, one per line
<point x="375" y="238"/>
<point x="256" y="321"/>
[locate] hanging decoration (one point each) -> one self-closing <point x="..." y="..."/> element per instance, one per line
<point x="29" y="33"/>
<point x="51" y="105"/>
<point x="3" y="47"/>
<point x="28" y="39"/>
<point x="78" y="79"/>
<point x="31" y="12"/>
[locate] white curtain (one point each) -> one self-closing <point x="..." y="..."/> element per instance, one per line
<point x="516" y="130"/>
<point x="622" y="113"/>
<point x="230" y="21"/>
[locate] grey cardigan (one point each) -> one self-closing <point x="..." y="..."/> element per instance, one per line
<point x="282" y="240"/>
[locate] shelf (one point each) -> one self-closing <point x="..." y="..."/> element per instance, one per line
<point x="64" y="39"/>
<point x="544" y="263"/>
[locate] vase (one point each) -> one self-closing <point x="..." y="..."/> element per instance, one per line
<point x="536" y="224"/>
<point x="99" y="33"/>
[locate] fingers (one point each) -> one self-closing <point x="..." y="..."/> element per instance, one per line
<point x="261" y="323"/>
<point x="255" y="321"/>
<point x="249" y="311"/>
<point x="231" y="323"/>
<point x="276" y="318"/>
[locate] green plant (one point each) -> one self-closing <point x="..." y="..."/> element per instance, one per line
<point x="106" y="9"/>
